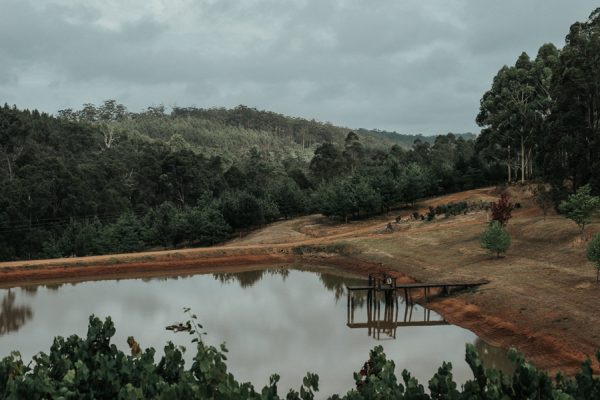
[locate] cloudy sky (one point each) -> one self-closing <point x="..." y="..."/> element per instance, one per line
<point x="407" y="65"/>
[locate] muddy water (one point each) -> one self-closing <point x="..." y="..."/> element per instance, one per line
<point x="286" y="320"/>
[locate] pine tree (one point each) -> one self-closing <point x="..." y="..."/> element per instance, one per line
<point x="495" y="238"/>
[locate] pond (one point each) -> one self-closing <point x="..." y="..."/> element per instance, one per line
<point x="287" y="320"/>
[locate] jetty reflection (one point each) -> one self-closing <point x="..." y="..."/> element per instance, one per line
<point x="383" y="316"/>
<point x="382" y="304"/>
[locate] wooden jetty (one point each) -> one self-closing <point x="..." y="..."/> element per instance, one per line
<point x="382" y="305"/>
<point x="384" y="283"/>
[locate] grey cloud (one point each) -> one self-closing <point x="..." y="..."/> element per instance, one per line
<point x="409" y="66"/>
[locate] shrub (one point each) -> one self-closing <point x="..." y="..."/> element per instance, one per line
<point x="92" y="367"/>
<point x="495" y="238"/>
<point x="580" y="207"/>
<point x="501" y="209"/>
<point x="593" y="253"/>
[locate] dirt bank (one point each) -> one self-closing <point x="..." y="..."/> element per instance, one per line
<point x="541" y="298"/>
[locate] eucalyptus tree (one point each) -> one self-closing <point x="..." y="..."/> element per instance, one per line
<point x="573" y="146"/>
<point x="513" y="111"/>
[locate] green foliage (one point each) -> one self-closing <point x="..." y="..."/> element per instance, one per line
<point x="290" y="199"/>
<point x="106" y="180"/>
<point x="593" y="253"/>
<point x="242" y="209"/>
<point x="165" y="226"/>
<point x="124" y="235"/>
<point x="541" y="116"/>
<point x="495" y="238"/>
<point x="327" y="163"/>
<point x="415" y="182"/>
<point x="580" y="207"/>
<point x="91" y="367"/>
<point x="207" y="225"/>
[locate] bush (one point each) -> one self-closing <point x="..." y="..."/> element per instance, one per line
<point x="593" y="253"/>
<point x="495" y="238"/>
<point x="580" y="207"/>
<point x="92" y="368"/>
<point x="501" y="209"/>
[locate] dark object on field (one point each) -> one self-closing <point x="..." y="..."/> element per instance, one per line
<point x="415" y="215"/>
<point x="179" y="327"/>
<point x="389" y="227"/>
<point x="431" y="214"/>
<point x="517" y="205"/>
<point x="398" y="219"/>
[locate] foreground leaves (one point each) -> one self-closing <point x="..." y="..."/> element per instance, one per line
<point x="93" y="368"/>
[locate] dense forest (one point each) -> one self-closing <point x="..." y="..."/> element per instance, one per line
<point x="102" y="179"/>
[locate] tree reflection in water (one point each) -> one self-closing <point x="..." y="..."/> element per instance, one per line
<point x="333" y="283"/>
<point x="494" y="357"/>
<point x="13" y="317"/>
<point x="246" y="279"/>
<point x="337" y="284"/>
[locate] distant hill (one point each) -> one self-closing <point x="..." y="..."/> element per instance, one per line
<point x="229" y="132"/>
<point x="406" y="140"/>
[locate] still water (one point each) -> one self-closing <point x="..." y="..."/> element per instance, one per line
<point x="285" y="320"/>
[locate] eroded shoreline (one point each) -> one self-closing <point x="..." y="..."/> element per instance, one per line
<point x="547" y="353"/>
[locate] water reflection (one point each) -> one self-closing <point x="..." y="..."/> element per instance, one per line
<point x="13" y="317"/>
<point x="337" y="284"/>
<point x="248" y="279"/>
<point x="494" y="357"/>
<point x="383" y="314"/>
<point x="283" y="320"/>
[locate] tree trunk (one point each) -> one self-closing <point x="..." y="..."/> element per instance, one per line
<point x="508" y="165"/>
<point x="10" y="174"/>
<point x="522" y="160"/>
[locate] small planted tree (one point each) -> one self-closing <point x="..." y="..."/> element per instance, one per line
<point x="495" y="239"/>
<point x="593" y="254"/>
<point x="580" y="207"/>
<point x="502" y="209"/>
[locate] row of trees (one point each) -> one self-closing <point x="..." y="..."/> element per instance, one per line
<point x="165" y="225"/>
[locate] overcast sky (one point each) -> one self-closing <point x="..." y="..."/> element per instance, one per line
<point x="412" y="66"/>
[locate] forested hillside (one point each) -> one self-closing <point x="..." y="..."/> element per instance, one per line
<point x="103" y="180"/>
<point x="231" y="132"/>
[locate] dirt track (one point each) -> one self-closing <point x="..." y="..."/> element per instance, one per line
<point x="542" y="297"/>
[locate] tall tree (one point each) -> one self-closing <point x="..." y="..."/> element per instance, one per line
<point x="353" y="151"/>
<point x="327" y="162"/>
<point x="513" y="110"/>
<point x="573" y="147"/>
